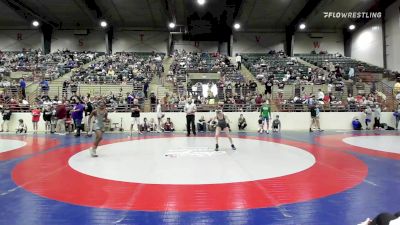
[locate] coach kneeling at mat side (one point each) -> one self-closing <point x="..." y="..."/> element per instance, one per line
<point x="190" y="109"/>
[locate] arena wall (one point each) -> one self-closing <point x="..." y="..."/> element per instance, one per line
<point x="196" y="46"/>
<point x="290" y="121"/>
<point x="307" y="42"/>
<point x="257" y="42"/>
<point x="367" y="43"/>
<point x="140" y="41"/>
<point x="16" y="40"/>
<point x="392" y="25"/>
<point x="67" y="39"/>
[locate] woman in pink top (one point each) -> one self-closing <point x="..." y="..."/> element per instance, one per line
<point x="35" y="119"/>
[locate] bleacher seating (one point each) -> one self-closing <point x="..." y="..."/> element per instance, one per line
<point x="322" y="60"/>
<point x="276" y="66"/>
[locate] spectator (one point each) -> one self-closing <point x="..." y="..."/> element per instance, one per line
<point x="61" y="116"/>
<point x="44" y="87"/>
<point x="268" y="88"/>
<point x="321" y="95"/>
<point x="145" y="125"/>
<point x="396" y="114"/>
<point x="53" y="122"/>
<point x="146" y="88"/>
<point x="6" y="112"/>
<point x="169" y="125"/>
<point x="377" y="117"/>
<point x="201" y="125"/>
<point x="356" y="124"/>
<point x="242" y="122"/>
<point x="22" y="86"/>
<point x="47" y="114"/>
<point x="211" y="125"/>
<point x="22" y="128"/>
<point x="281" y="87"/>
<point x="351" y="73"/>
<point x="69" y="123"/>
<point x="77" y="116"/>
<point x="253" y="85"/>
<point x="260" y="124"/>
<point x="153" y="126"/>
<point x="160" y="116"/>
<point x="368" y="117"/>
<point x="74" y="88"/>
<point x="35" y="119"/>
<point x="314" y="111"/>
<point x="135" y="114"/>
<point x="239" y="61"/>
<point x="276" y="124"/>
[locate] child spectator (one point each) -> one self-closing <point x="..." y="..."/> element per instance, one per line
<point x="356" y="124"/>
<point x="153" y="125"/>
<point x="168" y="126"/>
<point x="201" y="125"/>
<point x="276" y="124"/>
<point x="35" y="119"/>
<point x="242" y="122"/>
<point x="22" y="128"/>
<point x="145" y="126"/>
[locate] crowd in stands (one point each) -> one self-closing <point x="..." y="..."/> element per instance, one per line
<point x="121" y="67"/>
<point x="230" y="87"/>
<point x="37" y="66"/>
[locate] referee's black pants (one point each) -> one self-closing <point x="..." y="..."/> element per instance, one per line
<point x="190" y="123"/>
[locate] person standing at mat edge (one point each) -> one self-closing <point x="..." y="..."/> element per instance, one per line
<point x="222" y="125"/>
<point x="265" y="112"/>
<point x="100" y="116"/>
<point x="190" y="109"/>
<point x="314" y="111"/>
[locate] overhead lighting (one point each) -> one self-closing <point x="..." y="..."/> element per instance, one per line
<point x="35" y="23"/>
<point x="201" y="2"/>
<point x="236" y="26"/>
<point x="172" y="25"/>
<point x="302" y="26"/>
<point x="352" y="27"/>
<point x="103" y="23"/>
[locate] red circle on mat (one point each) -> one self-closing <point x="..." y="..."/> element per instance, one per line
<point x="333" y="172"/>
<point x="33" y="145"/>
<point x="336" y="142"/>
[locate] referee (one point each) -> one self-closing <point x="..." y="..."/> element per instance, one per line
<point x="190" y="109"/>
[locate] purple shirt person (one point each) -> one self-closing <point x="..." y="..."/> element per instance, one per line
<point x="77" y="116"/>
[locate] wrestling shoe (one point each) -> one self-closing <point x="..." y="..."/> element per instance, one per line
<point x="93" y="152"/>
